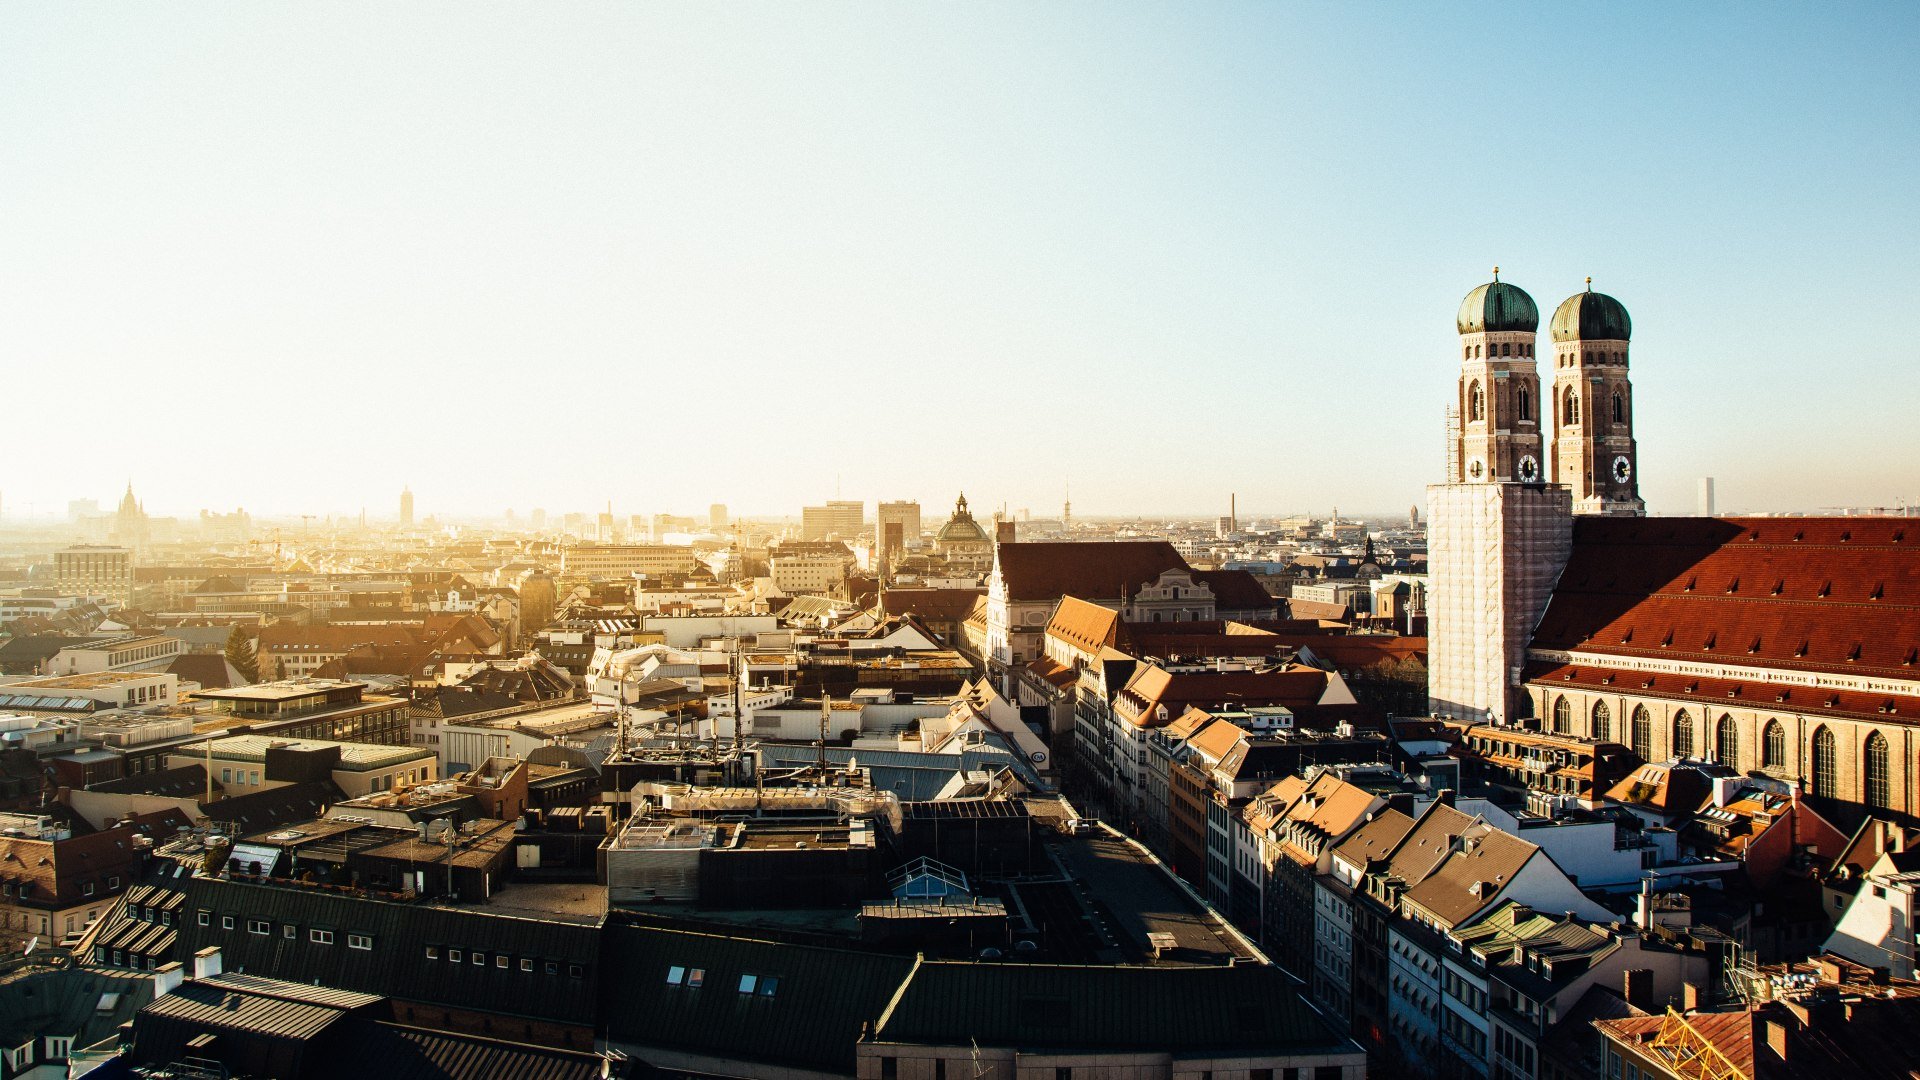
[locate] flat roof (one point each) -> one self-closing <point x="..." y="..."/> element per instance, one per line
<point x="353" y="755"/>
<point x="286" y="690"/>
<point x="96" y="681"/>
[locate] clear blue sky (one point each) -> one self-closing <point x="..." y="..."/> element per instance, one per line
<point x="291" y="257"/>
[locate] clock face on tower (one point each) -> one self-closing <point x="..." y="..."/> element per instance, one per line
<point x="1622" y="470"/>
<point x="1529" y="470"/>
<point x="1475" y="469"/>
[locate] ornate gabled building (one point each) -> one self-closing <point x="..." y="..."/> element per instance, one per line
<point x="1783" y="646"/>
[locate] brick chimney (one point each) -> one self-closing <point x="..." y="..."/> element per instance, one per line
<point x="168" y="977"/>
<point x="1639" y="988"/>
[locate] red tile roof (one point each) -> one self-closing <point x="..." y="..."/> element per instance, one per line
<point x="1048" y="571"/>
<point x="1802" y="594"/>
<point x="1153" y="686"/>
<point x="1085" y="626"/>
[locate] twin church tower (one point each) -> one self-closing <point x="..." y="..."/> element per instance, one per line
<point x="1502" y="434"/>
<point x="1520" y="464"/>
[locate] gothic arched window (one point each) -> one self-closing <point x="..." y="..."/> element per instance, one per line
<point x="1570" y="410"/>
<point x="1476" y="403"/>
<point x="1619" y="407"/>
<point x="1642" y="733"/>
<point x="1727" y="742"/>
<point x="1773" y="746"/>
<point x="1682" y="734"/>
<point x="1878" y="768"/>
<point x="1823" y="763"/>
<point x="1523" y="402"/>
<point x="1562" y="717"/>
<point x="1602" y="721"/>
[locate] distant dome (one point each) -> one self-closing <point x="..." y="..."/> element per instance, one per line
<point x="961" y="528"/>
<point x="1498" y="306"/>
<point x="1591" y="316"/>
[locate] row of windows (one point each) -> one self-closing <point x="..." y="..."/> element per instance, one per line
<point x="1570" y="407"/>
<point x="750" y="984"/>
<point x="504" y="961"/>
<point x="1505" y="348"/>
<point x="1876" y="759"/>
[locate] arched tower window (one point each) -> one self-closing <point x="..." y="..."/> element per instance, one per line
<point x="1523" y="402"/>
<point x="1466" y="352"/>
<point x="1727" y="742"/>
<point x="1878" y="769"/>
<point x="1823" y="763"/>
<point x="1570" y="408"/>
<point x="1476" y="352"/>
<point x="1642" y="733"/>
<point x="1619" y="407"/>
<point x="1562" y="716"/>
<point x="1682" y="734"/>
<point x="1476" y="403"/>
<point x="1773" y="746"/>
<point x="1602" y="721"/>
<point x="1506" y="348"/>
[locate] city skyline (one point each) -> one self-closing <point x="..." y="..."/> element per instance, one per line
<point x="1210" y="242"/>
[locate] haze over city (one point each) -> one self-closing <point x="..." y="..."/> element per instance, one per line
<point x="1168" y="254"/>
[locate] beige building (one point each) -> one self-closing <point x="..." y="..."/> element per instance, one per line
<point x="95" y="570"/>
<point x="244" y="764"/>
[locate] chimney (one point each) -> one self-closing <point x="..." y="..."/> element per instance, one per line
<point x="1777" y="1037"/>
<point x="1003" y="532"/>
<point x="1689" y="997"/>
<point x="1445" y="797"/>
<point x="1643" y="905"/>
<point x="206" y="962"/>
<point x="167" y="977"/>
<point x="1639" y="988"/>
<point x="1401" y="801"/>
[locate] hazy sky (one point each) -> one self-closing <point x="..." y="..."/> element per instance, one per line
<point x="294" y="256"/>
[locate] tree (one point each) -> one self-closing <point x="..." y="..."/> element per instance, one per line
<point x="241" y="655"/>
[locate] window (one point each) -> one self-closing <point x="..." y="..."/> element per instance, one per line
<point x="433" y="952"/>
<point x="86" y="889"/>
<point x="1878" y="771"/>
<point x="1619" y="407"/>
<point x="1642" y="733"/>
<point x="694" y="978"/>
<point x="289" y="931"/>
<point x="478" y="958"/>
<point x="1476" y="403"/>
<point x="360" y="941"/>
<point x="454" y="956"/>
<point x="889" y="1068"/>
<point x="1682" y="734"/>
<point x="502" y="961"/>
<point x="1562" y="716"/>
<point x="1570" y="407"/>
<point x="259" y="926"/>
<point x="526" y="964"/>
<point x="748" y="982"/>
<point x="320" y="937"/>
<point x="1523" y="403"/>
<point x="204" y="917"/>
<point x="1602" y="721"/>
<point x="1823" y="763"/>
<point x="226" y="922"/>
<point x="1773" y="746"/>
<point x="1727" y="742"/>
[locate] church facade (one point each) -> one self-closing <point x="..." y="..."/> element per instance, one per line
<point x="1783" y="646"/>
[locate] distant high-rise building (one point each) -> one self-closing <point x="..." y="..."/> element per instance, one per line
<point x="406" y="508"/>
<point x="538" y="518"/>
<point x="905" y="514"/>
<point x="1706" y="496"/>
<point x="849" y="517"/>
<point x="717" y="515"/>
<point x="91" y="570"/>
<point x="537" y="597"/>
<point x="1413" y="514"/>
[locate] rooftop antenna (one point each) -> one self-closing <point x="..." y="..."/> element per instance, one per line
<point x="739" y="672"/>
<point x="826" y="714"/>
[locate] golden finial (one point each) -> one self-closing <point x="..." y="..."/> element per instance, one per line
<point x="1589" y="282"/>
<point x="1496" y="273"/>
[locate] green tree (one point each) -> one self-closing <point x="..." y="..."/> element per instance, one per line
<point x="241" y="655"/>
